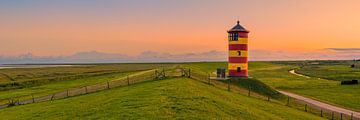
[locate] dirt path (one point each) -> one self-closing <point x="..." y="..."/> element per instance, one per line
<point x="322" y="105"/>
<point x="319" y="104"/>
<point x="293" y="72"/>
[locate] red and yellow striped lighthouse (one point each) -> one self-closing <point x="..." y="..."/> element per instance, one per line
<point x="238" y="51"/>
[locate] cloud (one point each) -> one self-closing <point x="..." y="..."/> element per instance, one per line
<point x="100" y="57"/>
<point x="152" y="56"/>
<point x="321" y="54"/>
<point x="344" y="49"/>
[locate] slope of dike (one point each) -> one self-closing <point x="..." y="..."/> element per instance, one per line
<point x="178" y="98"/>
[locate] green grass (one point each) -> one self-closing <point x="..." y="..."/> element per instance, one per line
<point x="27" y="77"/>
<point x="39" y="82"/>
<point x="276" y="75"/>
<point x="177" y="98"/>
<point x="337" y="72"/>
<point x="42" y="90"/>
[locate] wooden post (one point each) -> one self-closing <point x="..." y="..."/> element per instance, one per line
<point x="305" y="107"/>
<point x="268" y="98"/>
<point x="108" y="85"/>
<point x="33" y="99"/>
<point x="321" y="113"/>
<point x="332" y="115"/>
<point x="52" y="97"/>
<point x="129" y="80"/>
<point x="341" y="116"/>
<point x="209" y="78"/>
<point x="288" y="101"/>
<point x="86" y="90"/>
<point x="351" y="116"/>
<point x="67" y="93"/>
<point x="189" y="73"/>
<point x="229" y="84"/>
<point x="164" y="72"/>
<point x="249" y="90"/>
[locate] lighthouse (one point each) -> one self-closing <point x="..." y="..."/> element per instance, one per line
<point x="238" y="51"/>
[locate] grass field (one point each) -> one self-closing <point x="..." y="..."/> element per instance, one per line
<point x="179" y="94"/>
<point x="57" y="79"/>
<point x="276" y="75"/>
<point x="178" y="98"/>
<point x="28" y="77"/>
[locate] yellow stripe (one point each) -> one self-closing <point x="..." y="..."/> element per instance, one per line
<point x="239" y="41"/>
<point x="234" y="53"/>
<point x="233" y="66"/>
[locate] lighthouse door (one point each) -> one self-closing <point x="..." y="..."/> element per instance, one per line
<point x="238" y="69"/>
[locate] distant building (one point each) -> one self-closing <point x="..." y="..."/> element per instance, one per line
<point x="238" y="51"/>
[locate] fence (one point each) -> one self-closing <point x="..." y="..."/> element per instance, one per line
<point x="291" y="102"/>
<point x="125" y="81"/>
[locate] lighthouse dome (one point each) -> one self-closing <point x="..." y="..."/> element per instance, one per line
<point x="238" y="28"/>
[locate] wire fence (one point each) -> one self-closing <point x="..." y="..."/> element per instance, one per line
<point x="125" y="81"/>
<point x="289" y="101"/>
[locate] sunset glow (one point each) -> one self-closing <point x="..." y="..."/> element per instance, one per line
<point x="51" y="28"/>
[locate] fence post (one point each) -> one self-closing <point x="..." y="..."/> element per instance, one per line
<point x="108" y="85"/>
<point x="67" y="93"/>
<point x="351" y="116"/>
<point x="129" y="80"/>
<point x="229" y="84"/>
<point x="164" y="72"/>
<point x="189" y="73"/>
<point x="86" y="90"/>
<point x="52" y="97"/>
<point x="209" y="78"/>
<point x="341" y="116"/>
<point x="321" y="113"/>
<point x="268" y="98"/>
<point x="249" y="90"/>
<point x="33" y="99"/>
<point x="332" y="115"/>
<point x="288" y="101"/>
<point x="305" y="107"/>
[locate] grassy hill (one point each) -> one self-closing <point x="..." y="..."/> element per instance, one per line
<point x="276" y="75"/>
<point x="179" y="98"/>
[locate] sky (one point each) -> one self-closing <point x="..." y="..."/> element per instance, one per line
<point x="65" y="27"/>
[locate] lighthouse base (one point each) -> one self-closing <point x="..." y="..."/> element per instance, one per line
<point x="238" y="76"/>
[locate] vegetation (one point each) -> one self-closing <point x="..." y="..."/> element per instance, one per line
<point x="27" y="77"/>
<point x="331" y="71"/>
<point x="178" y="98"/>
<point x="276" y="75"/>
<point x="45" y="81"/>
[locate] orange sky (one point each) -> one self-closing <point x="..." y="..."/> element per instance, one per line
<point x="64" y="27"/>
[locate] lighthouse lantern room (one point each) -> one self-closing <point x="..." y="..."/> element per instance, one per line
<point x="238" y="51"/>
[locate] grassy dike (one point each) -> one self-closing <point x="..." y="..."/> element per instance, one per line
<point x="277" y="76"/>
<point x="180" y="98"/>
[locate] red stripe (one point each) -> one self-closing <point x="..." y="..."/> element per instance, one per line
<point x="238" y="47"/>
<point x="234" y="73"/>
<point x="238" y="60"/>
<point x="243" y="35"/>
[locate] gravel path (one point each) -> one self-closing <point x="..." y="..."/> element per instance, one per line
<point x="322" y="105"/>
<point x="319" y="104"/>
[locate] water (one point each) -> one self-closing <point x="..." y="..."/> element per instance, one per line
<point x="31" y="66"/>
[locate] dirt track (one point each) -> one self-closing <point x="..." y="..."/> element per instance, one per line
<point x="319" y="104"/>
<point x="322" y="105"/>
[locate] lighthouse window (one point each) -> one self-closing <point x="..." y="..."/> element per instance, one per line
<point x="238" y="69"/>
<point x="233" y="36"/>
<point x="239" y="53"/>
